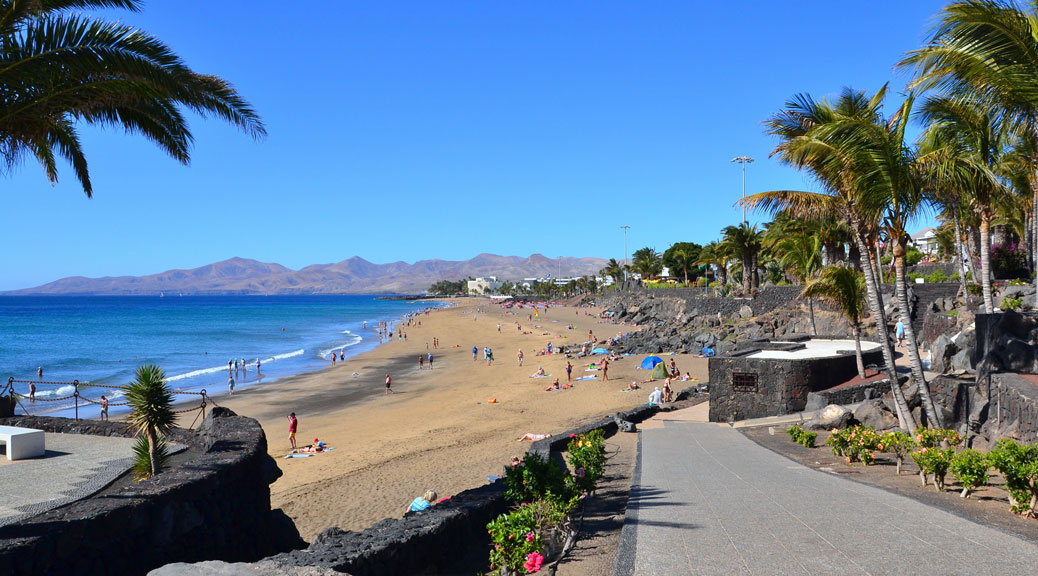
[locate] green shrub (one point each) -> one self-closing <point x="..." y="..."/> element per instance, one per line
<point x="913" y="256"/>
<point x="1019" y="464"/>
<point x="855" y="444"/>
<point x="899" y="444"/>
<point x="935" y="277"/>
<point x="587" y="458"/>
<point x="535" y="478"/>
<point x="801" y="436"/>
<point x="701" y="281"/>
<point x="974" y="289"/>
<point x="142" y="457"/>
<point x="514" y="536"/>
<point x="913" y="276"/>
<point x="970" y="468"/>
<point x="1010" y="303"/>
<point x="933" y="462"/>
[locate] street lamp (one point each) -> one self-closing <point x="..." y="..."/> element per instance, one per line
<point x="625" y="229"/>
<point x="744" y="160"/>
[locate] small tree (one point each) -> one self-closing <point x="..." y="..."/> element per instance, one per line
<point x="152" y="416"/>
<point x="844" y="288"/>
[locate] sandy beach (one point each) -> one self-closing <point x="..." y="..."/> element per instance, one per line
<point x="437" y="430"/>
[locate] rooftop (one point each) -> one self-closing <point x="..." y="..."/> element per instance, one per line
<point x="813" y="348"/>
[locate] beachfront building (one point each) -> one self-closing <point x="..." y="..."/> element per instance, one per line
<point x="925" y="240"/>
<point x="484" y="285"/>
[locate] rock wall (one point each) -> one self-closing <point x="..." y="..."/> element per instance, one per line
<point x="215" y="506"/>
<point x="1005" y="408"/>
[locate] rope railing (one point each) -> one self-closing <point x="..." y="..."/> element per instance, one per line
<point x="9" y="389"/>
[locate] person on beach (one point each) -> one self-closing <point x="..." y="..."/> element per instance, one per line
<point x="421" y="361"/>
<point x="333" y="357"/>
<point x="389" y="383"/>
<point x="230" y="367"/>
<point x="554" y="386"/>
<point x="490" y="356"/>
<point x="230" y="384"/>
<point x="520" y="357"/>
<point x="538" y="373"/>
<point x="244" y="367"/>
<point x="673" y="368"/>
<point x="293" y="425"/>
<point x="668" y="392"/>
<point x="569" y="372"/>
<point x="605" y="369"/>
<point x="475" y="351"/>
<point x="656" y="398"/>
<point x="342" y="355"/>
<point x="104" y="409"/>
<point x="430" y="360"/>
<point x="423" y="502"/>
<point x="257" y="365"/>
<point x="39" y="372"/>
<point x="633" y="385"/>
<point x="32" y="393"/>
<point x="899" y="331"/>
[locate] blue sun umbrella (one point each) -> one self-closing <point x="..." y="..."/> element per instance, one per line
<point x="600" y="351"/>
<point x="650" y="362"/>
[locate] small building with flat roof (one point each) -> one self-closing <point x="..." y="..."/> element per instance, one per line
<point x="772" y="377"/>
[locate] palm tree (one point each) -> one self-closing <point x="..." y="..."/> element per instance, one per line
<point x="709" y="256"/>
<point x="613" y="270"/>
<point x="990" y="47"/>
<point x="152" y="415"/>
<point x="58" y="68"/>
<point x="802" y="255"/>
<point x="843" y="288"/>
<point x="976" y="145"/>
<point x="814" y="136"/>
<point x="744" y="242"/>
<point x="647" y="262"/>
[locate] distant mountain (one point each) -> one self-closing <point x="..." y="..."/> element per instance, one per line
<point x="353" y="276"/>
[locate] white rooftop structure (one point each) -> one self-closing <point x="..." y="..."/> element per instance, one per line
<point x="813" y="348"/>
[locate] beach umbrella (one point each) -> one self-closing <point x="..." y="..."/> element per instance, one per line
<point x="650" y="362"/>
<point x="600" y="351"/>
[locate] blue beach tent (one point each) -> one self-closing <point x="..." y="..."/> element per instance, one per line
<point x="600" y="351"/>
<point x="650" y="362"/>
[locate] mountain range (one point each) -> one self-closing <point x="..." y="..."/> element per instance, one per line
<point x="353" y="276"/>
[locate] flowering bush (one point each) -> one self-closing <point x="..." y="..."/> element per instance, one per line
<point x="933" y="462"/>
<point x="515" y="536"/>
<point x="856" y="444"/>
<point x="1019" y="464"/>
<point x="1008" y="260"/>
<point x="801" y="436"/>
<point x="970" y="468"/>
<point x="586" y="454"/>
<point x="897" y="443"/>
<point x="934" y="437"/>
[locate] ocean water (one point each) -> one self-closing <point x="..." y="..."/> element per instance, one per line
<point x="100" y="340"/>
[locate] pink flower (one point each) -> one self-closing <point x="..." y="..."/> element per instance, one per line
<point x="572" y="435"/>
<point x="530" y="536"/>
<point x="533" y="562"/>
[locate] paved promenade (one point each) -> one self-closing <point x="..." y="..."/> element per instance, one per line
<point x="706" y="500"/>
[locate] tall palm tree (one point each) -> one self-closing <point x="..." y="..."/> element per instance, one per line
<point x="613" y="270"/>
<point x="151" y="401"/>
<point x="843" y="288"/>
<point x="814" y="137"/>
<point x="991" y="48"/>
<point x="802" y="255"/>
<point x="710" y="256"/>
<point x="684" y="261"/>
<point x="647" y="262"/>
<point x="744" y="242"/>
<point x="59" y="68"/>
<point x="978" y="142"/>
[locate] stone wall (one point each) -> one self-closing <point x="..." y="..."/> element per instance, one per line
<point x="1006" y="409"/>
<point x="214" y="506"/>
<point x="782" y="386"/>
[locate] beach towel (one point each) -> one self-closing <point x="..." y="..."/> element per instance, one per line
<point x="592" y="377"/>
<point x="298" y="455"/>
<point x="540" y="375"/>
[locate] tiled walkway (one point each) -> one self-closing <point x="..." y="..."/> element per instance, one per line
<point x="707" y="500"/>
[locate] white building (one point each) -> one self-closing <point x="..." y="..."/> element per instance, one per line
<point x="484" y="285"/>
<point x="926" y="240"/>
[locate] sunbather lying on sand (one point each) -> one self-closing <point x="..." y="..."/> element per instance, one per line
<point x="539" y="373"/>
<point x="554" y="386"/>
<point x="531" y="437"/>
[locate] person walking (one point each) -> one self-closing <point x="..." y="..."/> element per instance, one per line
<point x="230" y="385"/>
<point x="475" y="352"/>
<point x="421" y="361"/>
<point x="520" y="357"/>
<point x="104" y="409"/>
<point x="569" y="372"/>
<point x="899" y="332"/>
<point x="293" y="425"/>
<point x="605" y="369"/>
<point x="430" y="360"/>
<point x="389" y="384"/>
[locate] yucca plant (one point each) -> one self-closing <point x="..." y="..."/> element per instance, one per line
<point x="152" y="416"/>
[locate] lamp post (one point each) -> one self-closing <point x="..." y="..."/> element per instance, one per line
<point x="744" y="160"/>
<point x="625" y="229"/>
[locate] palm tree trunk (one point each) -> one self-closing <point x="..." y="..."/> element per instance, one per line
<point x="857" y="351"/>
<point x="971" y="251"/>
<point x="747" y="278"/>
<point x="901" y="290"/>
<point x="985" y="261"/>
<point x="958" y="255"/>
<point x="1034" y="236"/>
<point x="811" y="309"/>
<point x="153" y="442"/>
<point x="904" y="416"/>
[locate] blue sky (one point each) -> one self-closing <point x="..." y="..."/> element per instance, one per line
<point x="417" y="130"/>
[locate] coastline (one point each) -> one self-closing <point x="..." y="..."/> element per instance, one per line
<point x="437" y="430"/>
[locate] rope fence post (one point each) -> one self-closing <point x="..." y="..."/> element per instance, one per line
<point x="76" y="395"/>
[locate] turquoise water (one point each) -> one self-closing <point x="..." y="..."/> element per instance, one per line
<point x="102" y="339"/>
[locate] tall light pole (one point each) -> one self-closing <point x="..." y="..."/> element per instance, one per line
<point x="625" y="229"/>
<point x="744" y="160"/>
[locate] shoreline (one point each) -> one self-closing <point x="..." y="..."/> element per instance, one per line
<point x="437" y="430"/>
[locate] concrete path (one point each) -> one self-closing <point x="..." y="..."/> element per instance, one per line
<point x="707" y="500"/>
